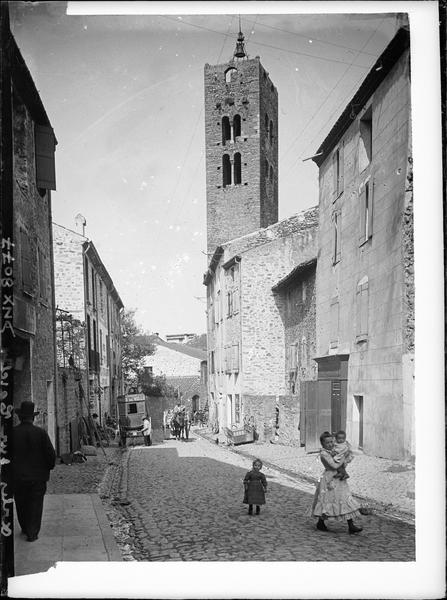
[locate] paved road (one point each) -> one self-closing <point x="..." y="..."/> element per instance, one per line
<point x="186" y="504"/>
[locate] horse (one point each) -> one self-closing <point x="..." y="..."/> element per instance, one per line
<point x="178" y="425"/>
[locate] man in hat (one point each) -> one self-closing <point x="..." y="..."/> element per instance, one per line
<point x="33" y="459"/>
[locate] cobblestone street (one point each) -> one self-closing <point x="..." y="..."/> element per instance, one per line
<point x="185" y="503"/>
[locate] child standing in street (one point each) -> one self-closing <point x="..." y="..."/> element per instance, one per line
<point x="342" y="453"/>
<point x="255" y="485"/>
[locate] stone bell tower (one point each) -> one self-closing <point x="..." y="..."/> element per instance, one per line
<point x="241" y="139"/>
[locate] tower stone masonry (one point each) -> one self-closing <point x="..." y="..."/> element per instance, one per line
<point x="241" y="139"/>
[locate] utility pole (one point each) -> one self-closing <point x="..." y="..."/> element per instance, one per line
<point x="6" y="299"/>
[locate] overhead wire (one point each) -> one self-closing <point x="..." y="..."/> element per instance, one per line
<point x="295" y="52"/>
<point x="335" y="110"/>
<point x="314" y="39"/>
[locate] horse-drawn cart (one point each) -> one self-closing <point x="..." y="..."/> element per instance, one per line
<point x="240" y="435"/>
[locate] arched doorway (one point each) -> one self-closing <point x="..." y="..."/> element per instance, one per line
<point x="195" y="403"/>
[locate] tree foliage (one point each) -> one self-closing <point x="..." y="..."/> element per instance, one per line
<point x="135" y="346"/>
<point x="154" y="385"/>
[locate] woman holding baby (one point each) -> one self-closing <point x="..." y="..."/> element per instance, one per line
<point x="333" y="499"/>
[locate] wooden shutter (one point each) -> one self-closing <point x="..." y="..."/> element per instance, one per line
<point x="235" y="300"/>
<point x="43" y="278"/>
<point x="364" y="309"/>
<point x="338" y="236"/>
<point x="26" y="262"/>
<point x="362" y="209"/>
<point x="217" y="308"/>
<point x="370" y="208"/>
<point x="336" y="233"/>
<point x="45" y="145"/>
<point x="334" y="316"/>
<point x="334" y="175"/>
<point x="341" y="168"/>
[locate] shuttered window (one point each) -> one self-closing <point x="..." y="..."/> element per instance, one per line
<point x="362" y="308"/>
<point x="235" y="366"/>
<point x="235" y="294"/>
<point x="365" y="140"/>
<point x="43" y="275"/>
<point x="334" y="322"/>
<point x="217" y="308"/>
<point x="336" y="240"/>
<point x="45" y="145"/>
<point x="366" y="212"/>
<point x="237" y="408"/>
<point x="338" y="171"/>
<point x="26" y="262"/>
<point x="229" y="304"/>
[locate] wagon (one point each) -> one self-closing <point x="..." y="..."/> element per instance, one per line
<point x="240" y="435"/>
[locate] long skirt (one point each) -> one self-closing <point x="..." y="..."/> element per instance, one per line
<point x="333" y="499"/>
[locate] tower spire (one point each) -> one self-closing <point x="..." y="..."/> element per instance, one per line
<point x="240" y="45"/>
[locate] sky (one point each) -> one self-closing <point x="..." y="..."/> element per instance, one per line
<point x="125" y="96"/>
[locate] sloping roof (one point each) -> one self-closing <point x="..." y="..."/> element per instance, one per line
<point x="182" y="348"/>
<point x="294" y="274"/>
<point x="377" y="74"/>
<point x="188" y="385"/>
<point x="305" y="219"/>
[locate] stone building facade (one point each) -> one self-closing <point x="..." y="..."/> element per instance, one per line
<point x="88" y="319"/>
<point x="28" y="176"/>
<point x="246" y="328"/>
<point x="296" y="301"/>
<point x="364" y="282"/>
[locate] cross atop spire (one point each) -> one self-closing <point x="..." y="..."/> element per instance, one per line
<point x="240" y="46"/>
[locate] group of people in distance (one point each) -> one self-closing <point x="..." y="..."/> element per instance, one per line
<point x="332" y="500"/>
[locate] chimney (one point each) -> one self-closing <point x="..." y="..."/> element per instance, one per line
<point x="80" y="224"/>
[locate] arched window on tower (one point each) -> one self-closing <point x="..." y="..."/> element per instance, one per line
<point x="226" y="130"/>
<point x="271" y="132"/>
<point x="236" y="126"/>
<point x="266" y="122"/>
<point x="266" y="168"/>
<point x="271" y="173"/>
<point x="228" y="73"/>
<point x="237" y="168"/>
<point x="226" y="168"/>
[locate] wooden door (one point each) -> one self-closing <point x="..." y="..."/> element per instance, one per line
<point x="338" y="404"/>
<point x="316" y="413"/>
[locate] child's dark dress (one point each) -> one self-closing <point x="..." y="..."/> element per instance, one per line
<point x="255" y="489"/>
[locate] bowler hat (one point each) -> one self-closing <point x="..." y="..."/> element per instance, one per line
<point x="26" y="409"/>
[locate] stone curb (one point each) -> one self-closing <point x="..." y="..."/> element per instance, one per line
<point x="108" y="538"/>
<point x="379" y="508"/>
